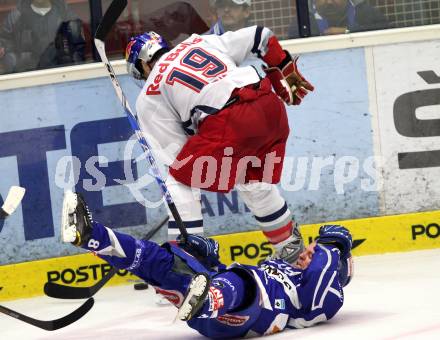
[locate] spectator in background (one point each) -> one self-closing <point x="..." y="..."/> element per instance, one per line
<point x="341" y="16"/>
<point x="175" y="22"/>
<point x="40" y="34"/>
<point x="231" y="15"/>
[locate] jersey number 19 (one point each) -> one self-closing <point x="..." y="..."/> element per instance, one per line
<point x="197" y="61"/>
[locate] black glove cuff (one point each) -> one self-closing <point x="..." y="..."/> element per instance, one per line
<point x="287" y="59"/>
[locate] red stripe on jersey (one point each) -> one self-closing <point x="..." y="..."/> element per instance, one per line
<point x="275" y="54"/>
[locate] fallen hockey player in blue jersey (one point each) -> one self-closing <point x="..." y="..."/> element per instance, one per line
<point x="218" y="301"/>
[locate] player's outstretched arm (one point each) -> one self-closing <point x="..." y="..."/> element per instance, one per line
<point x="319" y="291"/>
<point x="324" y="275"/>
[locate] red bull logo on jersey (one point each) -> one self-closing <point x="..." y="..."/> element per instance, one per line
<point x="216" y="300"/>
<point x="153" y="89"/>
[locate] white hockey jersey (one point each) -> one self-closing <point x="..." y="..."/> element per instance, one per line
<point x="193" y="80"/>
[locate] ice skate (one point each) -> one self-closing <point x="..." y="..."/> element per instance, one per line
<point x="76" y="220"/>
<point x="289" y="249"/>
<point x="198" y="289"/>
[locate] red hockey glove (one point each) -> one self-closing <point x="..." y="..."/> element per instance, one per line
<point x="288" y="82"/>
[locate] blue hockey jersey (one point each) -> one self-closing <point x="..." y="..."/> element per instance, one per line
<point x="282" y="296"/>
<point x="287" y="298"/>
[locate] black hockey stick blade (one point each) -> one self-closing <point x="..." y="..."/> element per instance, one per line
<point x="57" y="291"/>
<point x="111" y="15"/>
<point x="52" y="325"/>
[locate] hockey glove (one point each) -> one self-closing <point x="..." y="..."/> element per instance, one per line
<point x="203" y="248"/>
<point x="337" y="236"/>
<point x="288" y="82"/>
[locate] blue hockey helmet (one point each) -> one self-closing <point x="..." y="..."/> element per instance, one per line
<point x="142" y="47"/>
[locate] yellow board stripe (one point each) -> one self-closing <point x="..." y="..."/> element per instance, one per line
<point x="374" y="235"/>
<point x="27" y="279"/>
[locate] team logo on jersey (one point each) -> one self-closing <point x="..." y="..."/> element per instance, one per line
<point x="216" y="300"/>
<point x="279" y="304"/>
<point x="233" y="320"/>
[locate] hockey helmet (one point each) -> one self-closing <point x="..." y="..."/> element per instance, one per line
<point x="142" y="47"/>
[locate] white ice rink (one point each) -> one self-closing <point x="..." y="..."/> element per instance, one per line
<point x="394" y="296"/>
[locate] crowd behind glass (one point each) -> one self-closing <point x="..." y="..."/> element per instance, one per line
<point x="41" y="34"/>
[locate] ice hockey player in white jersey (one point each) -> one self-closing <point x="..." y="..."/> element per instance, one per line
<point x="225" y="302"/>
<point x="218" y="126"/>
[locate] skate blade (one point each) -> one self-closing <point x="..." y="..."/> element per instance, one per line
<point x="68" y="229"/>
<point x="198" y="290"/>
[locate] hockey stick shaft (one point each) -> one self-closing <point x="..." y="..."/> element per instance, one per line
<point x="51" y="325"/>
<point x="110" y="17"/>
<point x="15" y="195"/>
<point x="58" y="291"/>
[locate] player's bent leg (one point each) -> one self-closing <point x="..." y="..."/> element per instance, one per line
<point x="231" y="306"/>
<point x="275" y="219"/>
<point x="199" y="288"/>
<point x="157" y="265"/>
<point x="224" y="293"/>
<point x="188" y="203"/>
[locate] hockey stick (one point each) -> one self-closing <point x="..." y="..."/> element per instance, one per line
<point x="58" y="291"/>
<point x="110" y="17"/>
<point x="11" y="203"/>
<point x="13" y="199"/>
<point x="51" y="325"/>
<point x="15" y="195"/>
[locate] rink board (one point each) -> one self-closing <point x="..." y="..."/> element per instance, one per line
<point x="371" y="236"/>
<point x="367" y="149"/>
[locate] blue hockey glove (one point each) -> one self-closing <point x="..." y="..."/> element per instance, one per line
<point x="203" y="248"/>
<point x="337" y="236"/>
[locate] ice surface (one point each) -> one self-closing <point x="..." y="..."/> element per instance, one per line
<point x="393" y="296"/>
